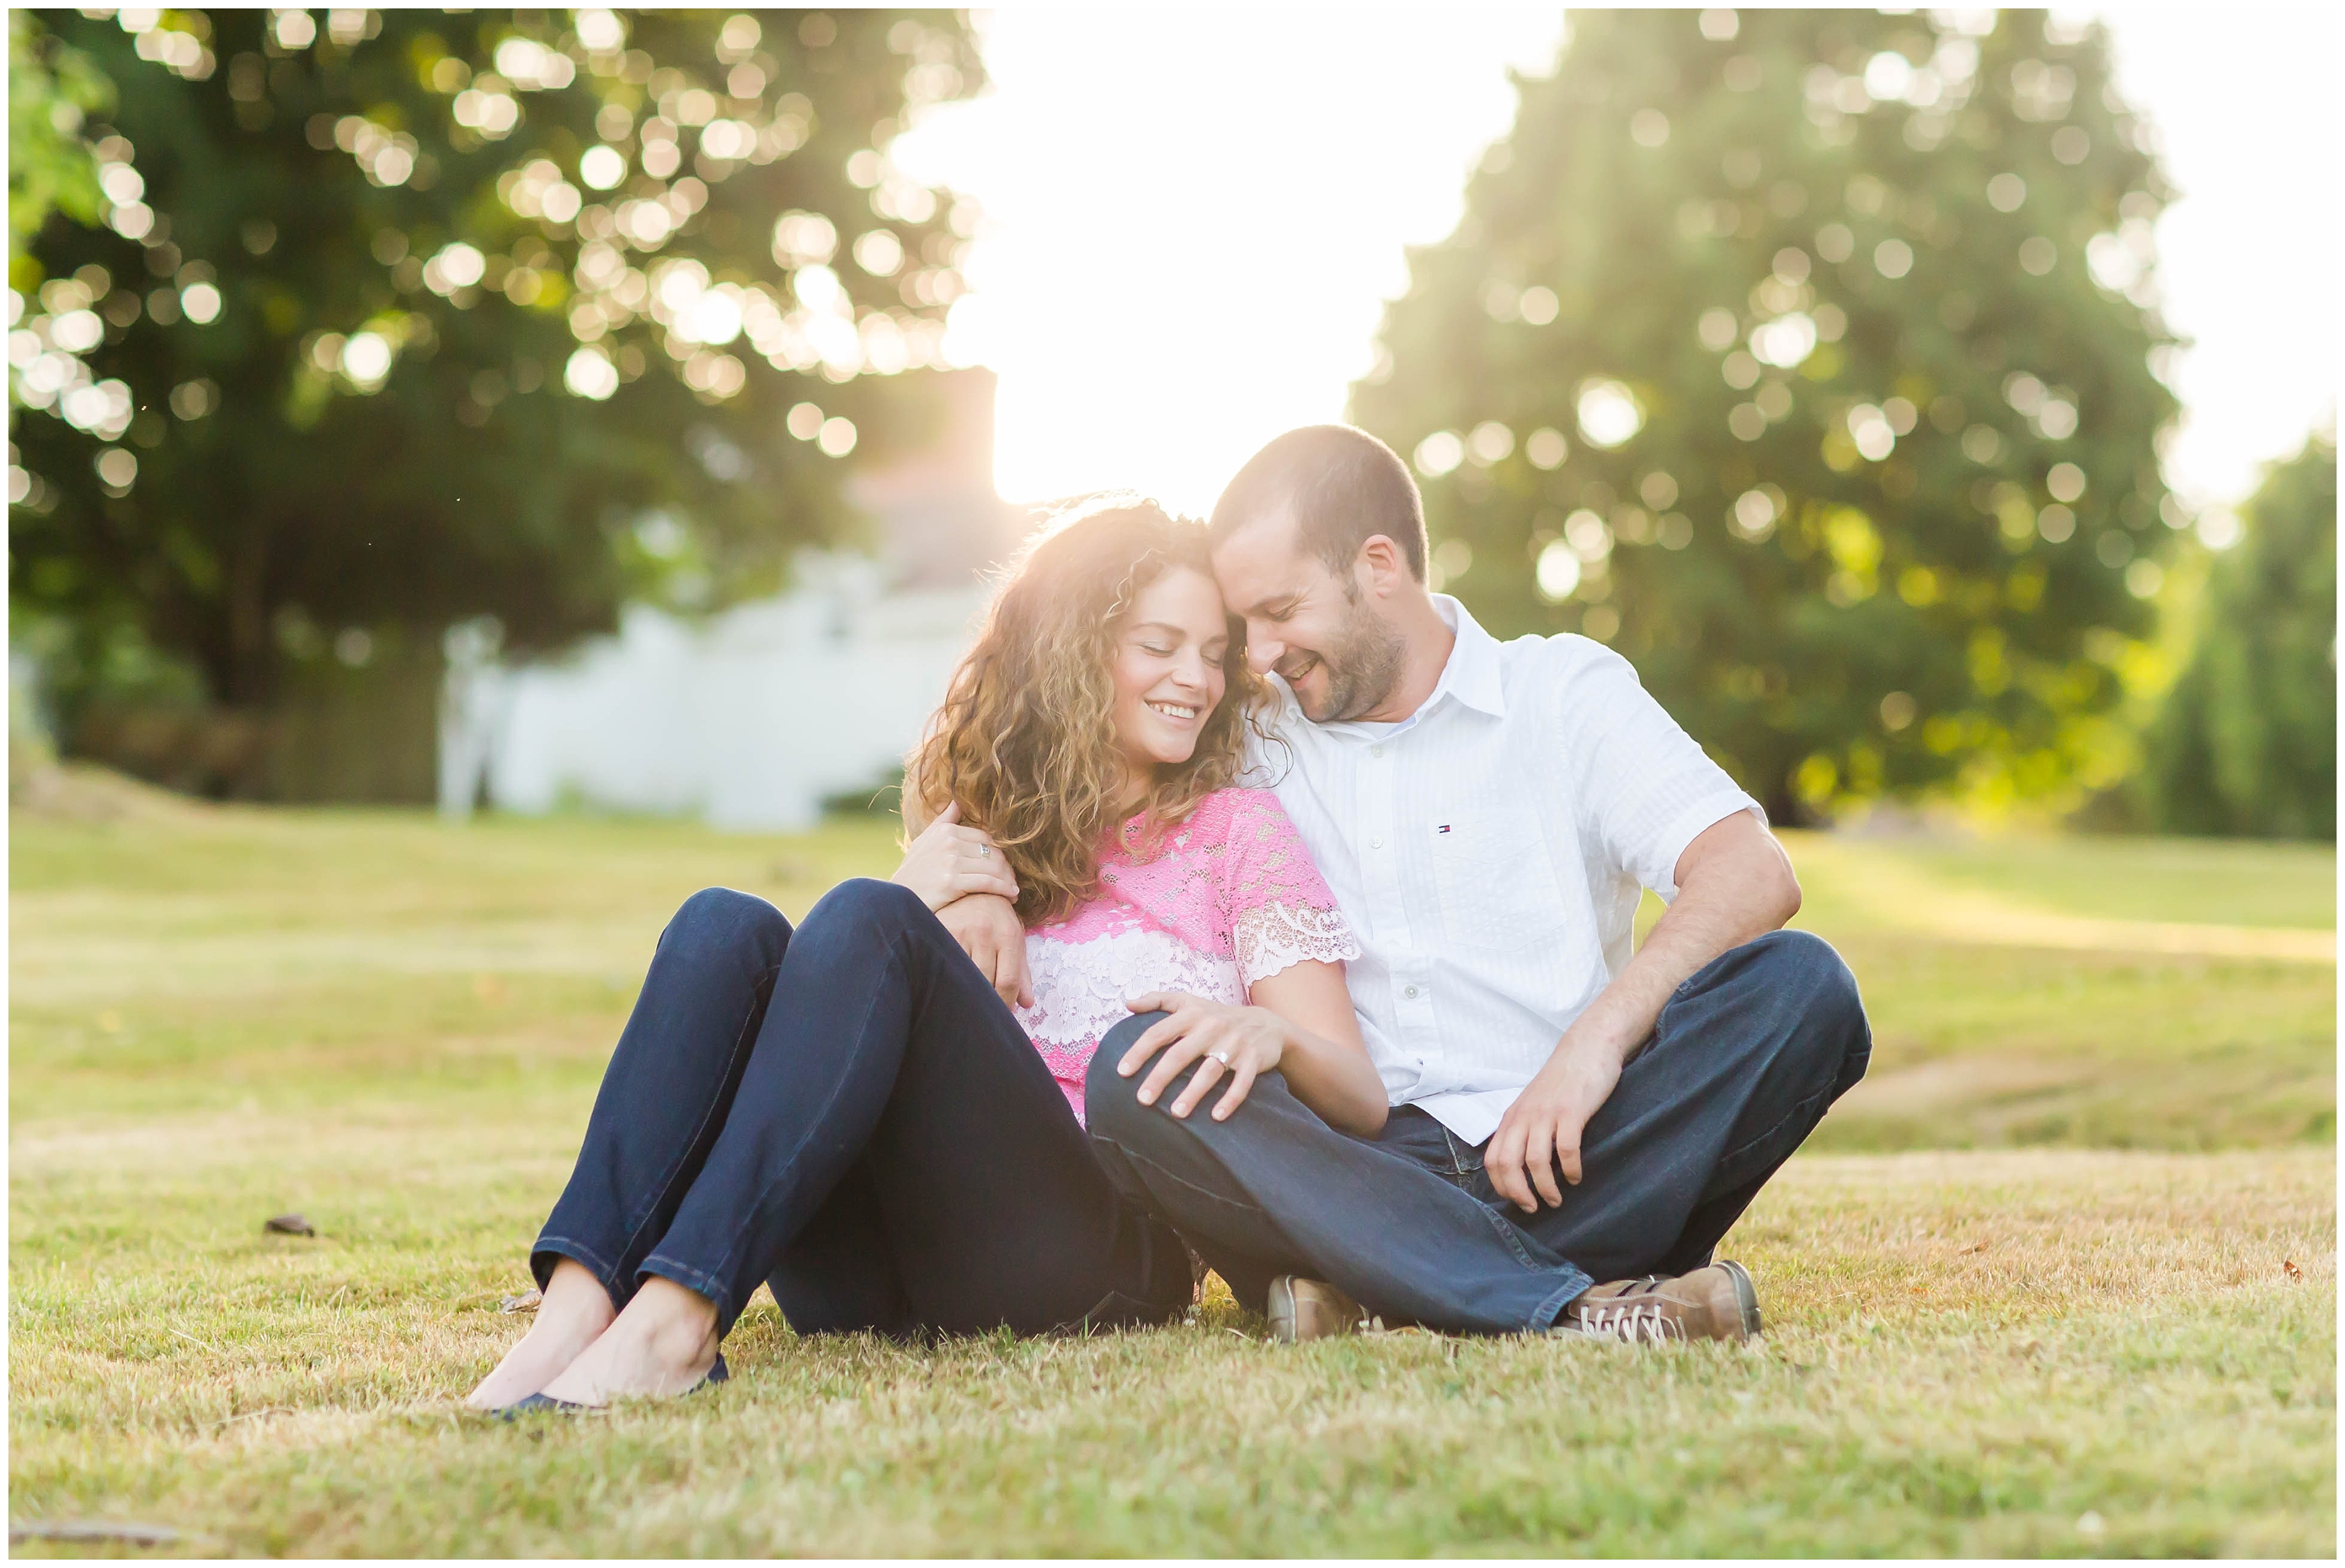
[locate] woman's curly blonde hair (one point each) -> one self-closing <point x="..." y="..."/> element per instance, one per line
<point x="1025" y="740"/>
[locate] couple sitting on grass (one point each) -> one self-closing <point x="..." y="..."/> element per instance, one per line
<point x="1264" y="913"/>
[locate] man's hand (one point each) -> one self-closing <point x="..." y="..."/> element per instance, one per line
<point x="1542" y="1128"/>
<point x="1734" y="882"/>
<point x="949" y="861"/>
<point x="1243" y="1042"/>
<point x="986" y="925"/>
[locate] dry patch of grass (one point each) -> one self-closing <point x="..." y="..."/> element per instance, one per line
<point x="396" y="1029"/>
<point x="1966" y="1353"/>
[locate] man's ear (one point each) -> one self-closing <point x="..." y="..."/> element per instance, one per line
<point x="1386" y="564"/>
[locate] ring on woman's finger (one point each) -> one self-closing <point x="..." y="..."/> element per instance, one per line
<point x="1221" y="1056"/>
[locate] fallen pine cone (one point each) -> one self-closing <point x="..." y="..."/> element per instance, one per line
<point x="527" y="1301"/>
<point x="288" y="1225"/>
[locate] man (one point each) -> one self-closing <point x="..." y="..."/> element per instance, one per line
<point x="1563" y="1113"/>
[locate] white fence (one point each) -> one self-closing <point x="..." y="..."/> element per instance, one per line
<point x="748" y="719"/>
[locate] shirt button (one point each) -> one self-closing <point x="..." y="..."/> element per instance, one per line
<point x="1376" y="751"/>
<point x="1375" y="844"/>
<point x="1411" y="991"/>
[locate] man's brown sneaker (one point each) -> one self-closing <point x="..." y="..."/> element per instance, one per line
<point x="1303" y="1309"/>
<point x="1714" y="1303"/>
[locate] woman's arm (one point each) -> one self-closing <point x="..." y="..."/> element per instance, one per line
<point x="1301" y="1023"/>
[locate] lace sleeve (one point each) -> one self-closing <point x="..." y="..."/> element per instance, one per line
<point x="1271" y="937"/>
<point x="1280" y="910"/>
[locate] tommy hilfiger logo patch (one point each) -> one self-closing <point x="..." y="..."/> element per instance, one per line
<point x="1443" y="828"/>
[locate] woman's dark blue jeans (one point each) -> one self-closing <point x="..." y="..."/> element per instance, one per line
<point x="850" y="1113"/>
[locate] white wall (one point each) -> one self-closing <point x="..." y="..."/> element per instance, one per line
<point x="747" y="719"/>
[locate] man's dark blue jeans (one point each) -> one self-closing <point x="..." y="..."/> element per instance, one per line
<point x="848" y="1112"/>
<point x="1743" y="1061"/>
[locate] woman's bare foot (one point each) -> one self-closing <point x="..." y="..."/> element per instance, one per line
<point x="574" y="1314"/>
<point x="662" y="1345"/>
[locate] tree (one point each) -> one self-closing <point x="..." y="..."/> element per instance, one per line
<point x="51" y="91"/>
<point x="403" y="318"/>
<point x="2247" y="744"/>
<point x="1805" y="357"/>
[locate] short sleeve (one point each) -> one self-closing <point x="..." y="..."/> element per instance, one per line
<point x="1279" y="907"/>
<point x="1643" y="789"/>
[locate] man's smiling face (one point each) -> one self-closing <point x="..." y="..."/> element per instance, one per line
<point x="1319" y="630"/>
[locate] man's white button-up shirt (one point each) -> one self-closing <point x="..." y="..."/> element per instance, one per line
<point x="1488" y="851"/>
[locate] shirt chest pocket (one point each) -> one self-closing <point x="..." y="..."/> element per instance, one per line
<point x="1491" y="872"/>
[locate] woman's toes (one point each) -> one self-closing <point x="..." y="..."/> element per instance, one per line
<point x="629" y="1366"/>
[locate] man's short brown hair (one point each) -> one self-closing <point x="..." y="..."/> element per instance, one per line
<point x="1344" y="487"/>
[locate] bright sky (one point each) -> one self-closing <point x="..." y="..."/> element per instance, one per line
<point x="1194" y="218"/>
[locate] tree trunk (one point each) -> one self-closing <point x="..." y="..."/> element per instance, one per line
<point x="249" y="663"/>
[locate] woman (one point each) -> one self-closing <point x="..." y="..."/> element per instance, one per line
<point x="850" y="1113"/>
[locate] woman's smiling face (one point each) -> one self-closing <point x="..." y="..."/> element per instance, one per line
<point x="1168" y="674"/>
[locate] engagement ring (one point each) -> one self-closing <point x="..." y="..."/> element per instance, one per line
<point x="1221" y="1056"/>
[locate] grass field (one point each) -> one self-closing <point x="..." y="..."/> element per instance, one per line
<point x="2029" y="1291"/>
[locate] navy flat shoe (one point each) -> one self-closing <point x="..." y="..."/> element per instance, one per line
<point x="717" y="1373"/>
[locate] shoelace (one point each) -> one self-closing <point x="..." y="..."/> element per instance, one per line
<point x="1631" y="1322"/>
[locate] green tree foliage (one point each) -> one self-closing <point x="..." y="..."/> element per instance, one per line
<point x="400" y="317"/>
<point x="2247" y="744"/>
<point x="51" y="91"/>
<point x="1770" y="351"/>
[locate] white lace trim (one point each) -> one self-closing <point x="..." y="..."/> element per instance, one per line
<point x="1271" y="937"/>
<point x="1080" y="986"/>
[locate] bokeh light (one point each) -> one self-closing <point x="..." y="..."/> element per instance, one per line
<point x="590" y="374"/>
<point x="1557" y="572"/>
<point x="600" y="30"/>
<point x="602" y="167"/>
<point x="1546" y="449"/>
<point x="1786" y="342"/>
<point x="366" y="360"/>
<point x="1755" y="512"/>
<point x="1609" y="414"/>
<point x="1439" y="453"/>
<point x="1489" y="442"/>
<point x="2219" y="528"/>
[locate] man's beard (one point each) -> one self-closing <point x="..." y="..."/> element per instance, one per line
<point x="1363" y="665"/>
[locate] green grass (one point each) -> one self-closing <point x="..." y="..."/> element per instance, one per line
<point x="396" y="1028"/>
<point x="2155" y="994"/>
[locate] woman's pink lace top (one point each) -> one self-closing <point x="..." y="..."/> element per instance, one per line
<point x="1216" y="902"/>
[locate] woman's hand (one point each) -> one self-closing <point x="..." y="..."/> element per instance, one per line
<point x="949" y="860"/>
<point x="1238" y="1043"/>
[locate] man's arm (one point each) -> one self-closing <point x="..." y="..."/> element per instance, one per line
<point x="1734" y="884"/>
<point x="986" y="925"/>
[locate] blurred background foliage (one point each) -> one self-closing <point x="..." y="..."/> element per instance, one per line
<point x="52" y="92"/>
<point x="349" y="326"/>
<point x="2246" y="742"/>
<point x="1806" y="357"/>
<point x="1812" y="358"/>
